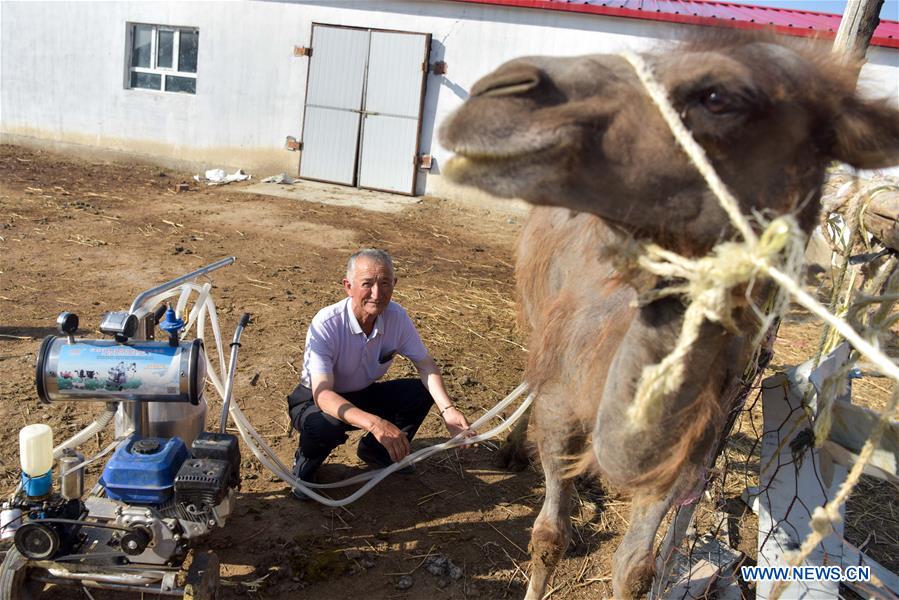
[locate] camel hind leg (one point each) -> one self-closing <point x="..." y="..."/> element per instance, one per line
<point x="552" y="528"/>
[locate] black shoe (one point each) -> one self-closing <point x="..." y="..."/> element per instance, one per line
<point x="304" y="468"/>
<point x="377" y="460"/>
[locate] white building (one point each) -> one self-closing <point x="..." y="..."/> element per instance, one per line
<point x="197" y="85"/>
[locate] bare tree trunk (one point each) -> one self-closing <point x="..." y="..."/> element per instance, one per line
<point x="860" y="19"/>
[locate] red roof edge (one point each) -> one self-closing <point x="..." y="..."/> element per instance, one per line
<point x="876" y="40"/>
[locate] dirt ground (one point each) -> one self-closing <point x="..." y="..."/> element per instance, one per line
<point x="88" y="236"/>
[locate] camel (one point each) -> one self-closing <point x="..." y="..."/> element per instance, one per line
<point x="579" y="138"/>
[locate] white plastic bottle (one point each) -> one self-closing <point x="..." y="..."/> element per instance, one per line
<point x="36" y="449"/>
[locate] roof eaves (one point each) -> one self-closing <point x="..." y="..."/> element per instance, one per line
<point x="801" y="23"/>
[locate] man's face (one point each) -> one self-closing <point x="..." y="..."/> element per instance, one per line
<point x="371" y="287"/>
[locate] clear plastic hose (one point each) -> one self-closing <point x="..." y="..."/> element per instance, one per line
<point x="100" y="423"/>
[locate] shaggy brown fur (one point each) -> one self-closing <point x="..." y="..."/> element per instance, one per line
<point x="579" y="138"/>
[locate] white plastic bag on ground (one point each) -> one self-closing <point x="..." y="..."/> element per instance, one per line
<point x="218" y="177"/>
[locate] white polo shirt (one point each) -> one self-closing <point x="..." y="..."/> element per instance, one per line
<point x="336" y="344"/>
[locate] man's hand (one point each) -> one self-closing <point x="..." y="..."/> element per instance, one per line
<point x="456" y="422"/>
<point x="391" y="437"/>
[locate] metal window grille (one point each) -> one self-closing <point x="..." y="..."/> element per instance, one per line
<point x="163" y="58"/>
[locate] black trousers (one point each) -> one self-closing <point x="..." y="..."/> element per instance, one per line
<point x="403" y="402"/>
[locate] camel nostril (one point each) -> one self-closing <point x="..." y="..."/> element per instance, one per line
<point x="509" y="81"/>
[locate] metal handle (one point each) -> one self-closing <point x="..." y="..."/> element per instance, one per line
<point x="142" y="297"/>
<point x="229" y="384"/>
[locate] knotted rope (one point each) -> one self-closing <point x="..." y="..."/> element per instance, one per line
<point x="709" y="284"/>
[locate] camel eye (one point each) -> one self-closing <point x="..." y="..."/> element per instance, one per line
<point x="715" y="101"/>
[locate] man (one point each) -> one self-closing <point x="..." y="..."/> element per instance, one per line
<point x="349" y="346"/>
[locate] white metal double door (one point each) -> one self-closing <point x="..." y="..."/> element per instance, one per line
<point x="363" y="107"/>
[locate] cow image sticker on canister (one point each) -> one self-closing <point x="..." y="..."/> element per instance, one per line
<point x="92" y="369"/>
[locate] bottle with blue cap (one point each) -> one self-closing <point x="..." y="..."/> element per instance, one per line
<point x="36" y="457"/>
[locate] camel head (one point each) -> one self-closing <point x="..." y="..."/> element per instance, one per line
<point x="582" y="133"/>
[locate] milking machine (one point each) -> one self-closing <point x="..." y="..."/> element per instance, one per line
<point x="167" y="483"/>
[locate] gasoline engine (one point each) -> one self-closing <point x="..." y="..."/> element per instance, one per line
<point x="167" y="483"/>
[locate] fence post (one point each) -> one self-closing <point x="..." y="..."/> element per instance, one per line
<point x="795" y="478"/>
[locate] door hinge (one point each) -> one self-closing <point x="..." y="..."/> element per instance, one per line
<point x="302" y="51"/>
<point x="292" y="144"/>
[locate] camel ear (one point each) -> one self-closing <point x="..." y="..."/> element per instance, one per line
<point x="866" y="134"/>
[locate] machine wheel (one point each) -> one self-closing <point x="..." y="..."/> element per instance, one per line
<point x="14" y="578"/>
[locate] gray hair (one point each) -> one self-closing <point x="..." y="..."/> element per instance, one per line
<point x="378" y="256"/>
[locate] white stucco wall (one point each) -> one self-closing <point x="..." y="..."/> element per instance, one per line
<point x="880" y="75"/>
<point x="63" y="67"/>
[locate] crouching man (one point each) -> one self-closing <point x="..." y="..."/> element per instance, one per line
<point x="349" y="346"/>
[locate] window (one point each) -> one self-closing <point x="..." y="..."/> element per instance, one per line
<point x="163" y="58"/>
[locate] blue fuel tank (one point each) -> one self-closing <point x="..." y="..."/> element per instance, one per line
<point x="142" y="470"/>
